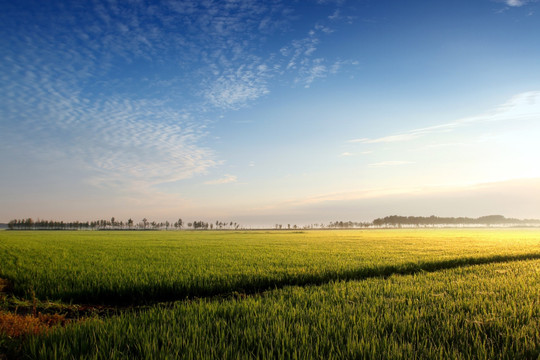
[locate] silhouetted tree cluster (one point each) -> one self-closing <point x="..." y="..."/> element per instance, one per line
<point x="114" y="224"/>
<point x="396" y="220"/>
<point x="348" y="225"/>
<point x="226" y="225"/>
<point x="29" y="224"/>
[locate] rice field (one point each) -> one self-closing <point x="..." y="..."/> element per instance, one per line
<point x="383" y="294"/>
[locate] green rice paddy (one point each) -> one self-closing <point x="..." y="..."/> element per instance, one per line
<point x="381" y="294"/>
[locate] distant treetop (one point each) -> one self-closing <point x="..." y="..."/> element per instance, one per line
<point x="396" y="220"/>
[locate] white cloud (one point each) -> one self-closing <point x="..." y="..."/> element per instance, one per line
<point x="299" y="51"/>
<point x="335" y="15"/>
<point x="384" y="139"/>
<point x="118" y="143"/>
<point x="236" y="89"/>
<point x="316" y="70"/>
<point x="390" y="163"/>
<point x="337" y="2"/>
<point x="524" y="106"/>
<point x="72" y="89"/>
<point x="224" y="180"/>
<point x="515" y="3"/>
<point x="69" y="102"/>
<point x="410" y="135"/>
<point x="307" y="68"/>
<point x="114" y="141"/>
<point x="324" y="29"/>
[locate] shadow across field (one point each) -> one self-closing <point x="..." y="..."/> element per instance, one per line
<point x="144" y="296"/>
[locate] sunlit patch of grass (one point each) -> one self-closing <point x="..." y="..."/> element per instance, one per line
<point x="145" y="267"/>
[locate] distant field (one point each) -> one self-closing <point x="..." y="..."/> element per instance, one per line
<point x="343" y="294"/>
<point x="140" y="267"/>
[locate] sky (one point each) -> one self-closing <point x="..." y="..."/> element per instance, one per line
<point x="265" y="112"/>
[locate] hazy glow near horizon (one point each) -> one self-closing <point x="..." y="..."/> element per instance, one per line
<point x="263" y="112"/>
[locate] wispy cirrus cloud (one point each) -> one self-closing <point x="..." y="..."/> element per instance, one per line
<point x="390" y="163"/>
<point x="410" y="135"/>
<point x="335" y="15"/>
<point x="299" y="55"/>
<point x="224" y="180"/>
<point x="515" y="3"/>
<point x="337" y="2"/>
<point x="524" y="106"/>
<point x="116" y="142"/>
<point x="299" y="51"/>
<point x="234" y="76"/>
<point x="315" y="70"/>
<point x="122" y="91"/>
<point x="234" y="90"/>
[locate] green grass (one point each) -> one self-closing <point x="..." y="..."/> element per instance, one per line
<point x="389" y="294"/>
<point x="145" y="267"/>
<point x="482" y="312"/>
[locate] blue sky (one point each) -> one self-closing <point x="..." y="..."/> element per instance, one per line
<point x="269" y="112"/>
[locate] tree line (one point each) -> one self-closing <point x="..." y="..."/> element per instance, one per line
<point x="418" y="221"/>
<point x="396" y="220"/>
<point x="114" y="224"/>
<point x="388" y="221"/>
